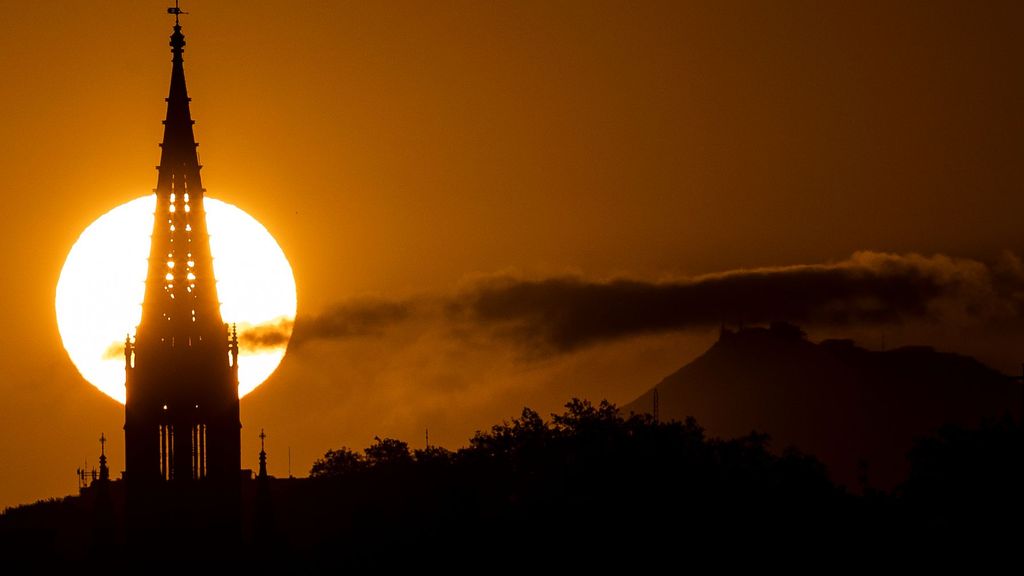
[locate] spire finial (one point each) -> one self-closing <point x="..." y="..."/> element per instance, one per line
<point x="177" y="39"/>
<point x="128" y="348"/>
<point x="263" y="457"/>
<point x="233" y="346"/>
<point x="177" y="13"/>
<point x="104" y="471"/>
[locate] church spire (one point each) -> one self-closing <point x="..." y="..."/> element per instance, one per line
<point x="181" y="294"/>
<point x="179" y="145"/>
<point x="181" y="385"/>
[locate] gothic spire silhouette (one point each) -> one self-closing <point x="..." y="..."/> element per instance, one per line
<point x="180" y="286"/>
<point x="181" y="410"/>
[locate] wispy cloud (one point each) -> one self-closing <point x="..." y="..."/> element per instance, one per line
<point x="561" y="314"/>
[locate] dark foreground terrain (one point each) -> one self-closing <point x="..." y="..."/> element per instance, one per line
<point x="586" y="489"/>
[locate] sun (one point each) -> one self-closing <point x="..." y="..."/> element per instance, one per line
<point x="101" y="287"/>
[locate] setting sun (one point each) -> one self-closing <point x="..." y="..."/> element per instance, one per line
<point x="101" y="287"/>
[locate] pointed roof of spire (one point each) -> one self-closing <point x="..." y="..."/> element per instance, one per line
<point x="179" y="144"/>
<point x="180" y="302"/>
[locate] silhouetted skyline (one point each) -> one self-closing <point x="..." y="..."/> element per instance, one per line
<point x="583" y="487"/>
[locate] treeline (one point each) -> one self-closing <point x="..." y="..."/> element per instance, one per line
<point x="595" y="466"/>
<point x="585" y="479"/>
<point x="594" y="449"/>
<point x="590" y="488"/>
<point x="593" y="479"/>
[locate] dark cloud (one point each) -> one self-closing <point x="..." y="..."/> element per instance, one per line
<point x="266" y="335"/>
<point x="363" y="317"/>
<point x="562" y="314"/>
<point x="357" y="318"/>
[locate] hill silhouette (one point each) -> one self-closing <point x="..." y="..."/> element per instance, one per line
<point x="859" y="411"/>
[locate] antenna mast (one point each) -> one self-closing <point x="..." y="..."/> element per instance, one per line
<point x="656" y="407"/>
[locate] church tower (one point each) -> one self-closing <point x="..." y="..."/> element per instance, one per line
<point x="181" y="411"/>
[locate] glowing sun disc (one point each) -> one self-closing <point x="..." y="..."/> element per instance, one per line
<point x="100" y="291"/>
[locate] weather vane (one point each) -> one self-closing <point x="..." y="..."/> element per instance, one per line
<point x="176" y="11"/>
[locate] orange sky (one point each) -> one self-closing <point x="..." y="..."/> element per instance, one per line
<point x="406" y="149"/>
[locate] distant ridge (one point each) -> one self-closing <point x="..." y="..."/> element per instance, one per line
<point x="833" y="399"/>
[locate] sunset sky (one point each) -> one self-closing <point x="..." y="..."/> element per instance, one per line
<point x="495" y="204"/>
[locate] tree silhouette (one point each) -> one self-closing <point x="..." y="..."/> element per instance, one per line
<point x="433" y="455"/>
<point x="509" y="439"/>
<point x="388" y="452"/>
<point x="338" y="463"/>
<point x="581" y="417"/>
